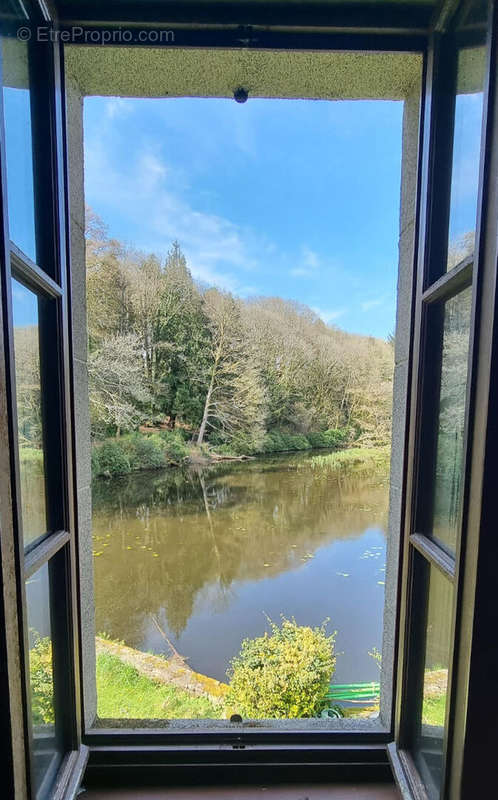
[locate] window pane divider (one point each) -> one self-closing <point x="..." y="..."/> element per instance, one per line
<point x="452" y="282"/>
<point x="44" y="551"/>
<point x="434" y="554"/>
<point x="30" y="272"/>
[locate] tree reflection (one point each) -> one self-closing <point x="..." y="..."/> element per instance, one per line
<point x="162" y="540"/>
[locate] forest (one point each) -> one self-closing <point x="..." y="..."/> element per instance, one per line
<point x="240" y="375"/>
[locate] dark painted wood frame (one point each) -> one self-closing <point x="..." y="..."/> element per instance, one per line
<point x="259" y="755"/>
<point x="57" y="548"/>
<point x="381" y="18"/>
<point x="115" y="754"/>
<point x="462" y="766"/>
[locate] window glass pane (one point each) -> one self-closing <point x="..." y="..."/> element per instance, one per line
<point x="430" y="722"/>
<point x="46" y="745"/>
<point x="466" y="152"/>
<point x="29" y="417"/>
<point x="18" y="145"/>
<point x="448" y="477"/>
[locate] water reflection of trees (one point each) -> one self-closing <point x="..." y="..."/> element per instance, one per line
<point x="448" y="467"/>
<point x="212" y="527"/>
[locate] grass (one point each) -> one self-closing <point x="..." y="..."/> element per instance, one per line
<point x="355" y="456"/>
<point x="358" y="712"/>
<point x="123" y="693"/>
<point x="30" y="455"/>
<point x="433" y="710"/>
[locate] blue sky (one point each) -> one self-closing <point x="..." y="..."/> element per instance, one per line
<point x="18" y="146"/>
<point x="465" y="169"/>
<point x="24" y="305"/>
<point x="274" y="197"/>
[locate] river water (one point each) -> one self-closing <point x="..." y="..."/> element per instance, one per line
<point x="206" y="554"/>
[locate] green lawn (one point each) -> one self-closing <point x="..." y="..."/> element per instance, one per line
<point x="433" y="710"/>
<point x="359" y="456"/>
<point x="31" y="455"/>
<point x="123" y="693"/>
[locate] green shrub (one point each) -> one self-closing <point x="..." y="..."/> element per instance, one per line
<point x="112" y="459"/>
<point x="287" y="440"/>
<point x="216" y="439"/>
<point x="184" y="434"/>
<point x="318" y="439"/>
<point x="273" y="442"/>
<point x="224" y="449"/>
<point x="268" y="445"/>
<point x="295" y="441"/>
<point x="278" y="442"/>
<point x="138" y="452"/>
<point x="41" y="681"/>
<point x="300" y="442"/>
<point x="173" y="445"/>
<point x="95" y="461"/>
<point x="282" y="675"/>
<point x="334" y="437"/>
<point x="144" y="452"/>
<point x="245" y="443"/>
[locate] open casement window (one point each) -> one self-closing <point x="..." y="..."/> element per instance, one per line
<point x="448" y="340"/>
<point x="38" y="549"/>
<point x="444" y="736"/>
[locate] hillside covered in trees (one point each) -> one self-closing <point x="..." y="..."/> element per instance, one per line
<point x="230" y="372"/>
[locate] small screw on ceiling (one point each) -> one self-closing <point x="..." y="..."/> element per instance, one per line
<point x="240" y="95"/>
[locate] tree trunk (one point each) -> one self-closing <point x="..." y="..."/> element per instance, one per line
<point x="214" y="372"/>
<point x="202" y="429"/>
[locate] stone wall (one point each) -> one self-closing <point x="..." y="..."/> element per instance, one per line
<point x="173" y="72"/>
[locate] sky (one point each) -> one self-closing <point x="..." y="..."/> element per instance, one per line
<point x="465" y="167"/>
<point x="18" y="146"/>
<point x="294" y="198"/>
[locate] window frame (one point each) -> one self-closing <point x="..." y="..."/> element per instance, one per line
<point x="56" y="547"/>
<point x="261" y="755"/>
<point x="433" y="288"/>
<point x="102" y="740"/>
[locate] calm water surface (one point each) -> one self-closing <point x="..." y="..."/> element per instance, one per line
<point x="208" y="552"/>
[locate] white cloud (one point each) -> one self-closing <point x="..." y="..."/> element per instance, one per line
<point x="329" y="315"/>
<point x="147" y="191"/>
<point x="117" y="107"/>
<point x="366" y="305"/>
<point x="310" y="258"/>
<point x="310" y="262"/>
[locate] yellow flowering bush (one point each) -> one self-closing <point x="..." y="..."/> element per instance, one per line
<point x="283" y="674"/>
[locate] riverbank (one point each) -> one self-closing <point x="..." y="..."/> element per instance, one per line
<point x="143" y="451"/>
<point x="373" y="457"/>
<point x="132" y="685"/>
<point x="136" y="685"/>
